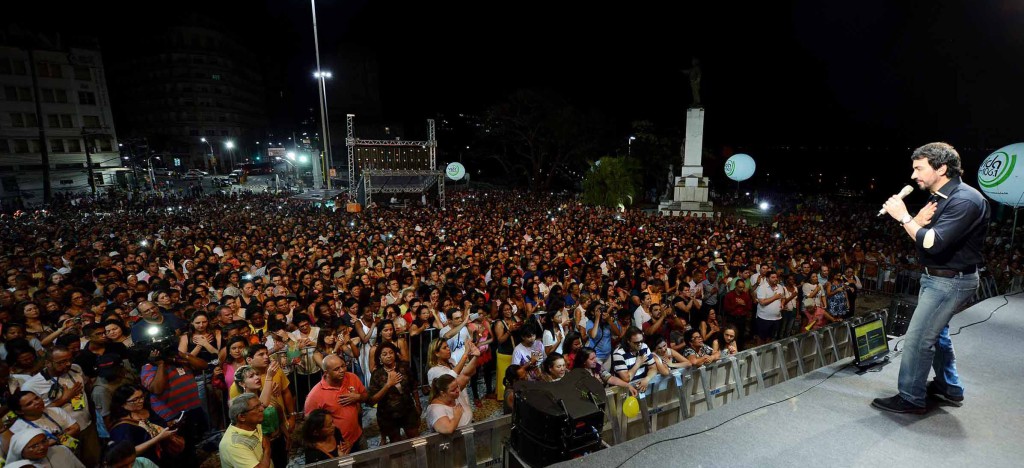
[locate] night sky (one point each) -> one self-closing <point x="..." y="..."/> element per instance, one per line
<point x="843" y="76"/>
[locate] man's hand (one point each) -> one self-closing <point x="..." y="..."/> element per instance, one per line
<point x="642" y="384"/>
<point x="895" y="207"/>
<point x="925" y="215"/>
<point x="74" y="391"/>
<point x="349" y="398"/>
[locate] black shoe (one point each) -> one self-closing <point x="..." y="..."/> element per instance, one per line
<point x="897" y="404"/>
<point x="933" y="391"/>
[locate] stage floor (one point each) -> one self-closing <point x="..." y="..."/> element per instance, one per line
<point x="833" y="424"/>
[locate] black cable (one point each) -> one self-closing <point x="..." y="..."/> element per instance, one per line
<point x="735" y="417"/>
<point x="1006" y="300"/>
<point x="895" y="347"/>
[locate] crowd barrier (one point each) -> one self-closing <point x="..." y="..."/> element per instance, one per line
<point x="669" y="400"/>
<point x="907" y="281"/>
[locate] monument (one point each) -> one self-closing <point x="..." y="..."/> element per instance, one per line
<point x="690" y="193"/>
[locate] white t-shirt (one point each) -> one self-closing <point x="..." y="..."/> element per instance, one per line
<point x="41" y="386"/>
<point x="772" y="311"/>
<point x="457" y="343"/>
<point x="435" y="411"/>
<point x="434" y="372"/>
<point x="57" y="417"/>
<point x="548" y="339"/>
<point x="640" y="316"/>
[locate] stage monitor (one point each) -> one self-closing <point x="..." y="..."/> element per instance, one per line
<point x="871" y="346"/>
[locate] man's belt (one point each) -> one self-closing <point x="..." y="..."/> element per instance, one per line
<point x="947" y="273"/>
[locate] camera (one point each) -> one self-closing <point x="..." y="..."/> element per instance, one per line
<point x="154" y="348"/>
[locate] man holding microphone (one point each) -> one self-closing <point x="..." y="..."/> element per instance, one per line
<point x="949" y="234"/>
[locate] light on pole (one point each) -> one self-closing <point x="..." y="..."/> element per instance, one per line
<point x="230" y="145"/>
<point x="629" y="146"/>
<point x="321" y="77"/>
<point x="209" y="162"/>
<point x="152" y="173"/>
<point x="323" y="110"/>
<point x="329" y="155"/>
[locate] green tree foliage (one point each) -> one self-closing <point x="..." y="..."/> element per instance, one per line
<point x="611" y="181"/>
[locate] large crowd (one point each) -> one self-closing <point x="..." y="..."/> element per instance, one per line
<point x="134" y="326"/>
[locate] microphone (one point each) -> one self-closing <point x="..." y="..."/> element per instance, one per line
<point x="903" y="194"/>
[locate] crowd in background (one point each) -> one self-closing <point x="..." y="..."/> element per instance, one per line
<point x="134" y="327"/>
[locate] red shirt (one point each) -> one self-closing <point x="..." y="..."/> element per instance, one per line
<point x="346" y="418"/>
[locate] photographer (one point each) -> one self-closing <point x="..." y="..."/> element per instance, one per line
<point x="173" y="391"/>
<point x="601" y="327"/>
<point x="155" y="324"/>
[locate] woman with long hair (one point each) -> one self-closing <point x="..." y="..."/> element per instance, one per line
<point x="131" y="420"/>
<point x="386" y="333"/>
<point x="232" y="359"/>
<point x="480" y="331"/>
<point x="534" y="299"/>
<point x="393" y="389"/>
<point x="275" y="418"/>
<point x="586" y="358"/>
<point x="838" y="302"/>
<point x="504" y="329"/>
<point x="34" y="326"/>
<point x="201" y="341"/>
<point x="321" y="439"/>
<point x="117" y="332"/>
<point x="573" y="344"/>
<point x="439" y="360"/>
<point x="668" y="356"/>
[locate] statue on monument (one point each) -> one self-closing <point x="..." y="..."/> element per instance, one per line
<point x="671" y="180"/>
<point x="694" y="73"/>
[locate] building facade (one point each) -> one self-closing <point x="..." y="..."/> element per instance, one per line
<point x="187" y="83"/>
<point x="74" y="116"/>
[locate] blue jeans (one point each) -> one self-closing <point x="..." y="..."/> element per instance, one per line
<point x="927" y="340"/>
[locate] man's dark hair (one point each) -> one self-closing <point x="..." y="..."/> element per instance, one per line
<point x="68" y="340"/>
<point x="253" y="349"/>
<point x="88" y="329"/>
<point x="940" y="153"/>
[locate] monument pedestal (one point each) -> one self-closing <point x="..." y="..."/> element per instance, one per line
<point x="690" y="193"/>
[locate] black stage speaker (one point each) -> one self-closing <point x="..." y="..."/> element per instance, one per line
<point x="558" y="421"/>
<point x="900" y="313"/>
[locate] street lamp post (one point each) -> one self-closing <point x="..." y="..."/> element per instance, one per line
<point x="323" y="110"/>
<point x="629" y="146"/>
<point x="209" y="162"/>
<point x="230" y="145"/>
<point x="152" y="173"/>
<point x="326" y="114"/>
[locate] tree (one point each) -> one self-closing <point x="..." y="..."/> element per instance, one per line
<point x="656" y="150"/>
<point x="612" y="181"/>
<point x="537" y="136"/>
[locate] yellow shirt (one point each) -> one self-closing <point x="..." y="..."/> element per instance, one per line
<point x="241" y="449"/>
<point x="279" y="378"/>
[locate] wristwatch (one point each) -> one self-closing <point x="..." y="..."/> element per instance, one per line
<point x="906" y="219"/>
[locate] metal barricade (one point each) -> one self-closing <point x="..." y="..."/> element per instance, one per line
<point x="479" y="444"/>
<point x="671" y="399"/>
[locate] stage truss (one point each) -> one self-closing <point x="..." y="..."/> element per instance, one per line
<point x="392" y="166"/>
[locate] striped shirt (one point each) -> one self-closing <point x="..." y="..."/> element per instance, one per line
<point x="180" y="394"/>
<point x="623" y="360"/>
